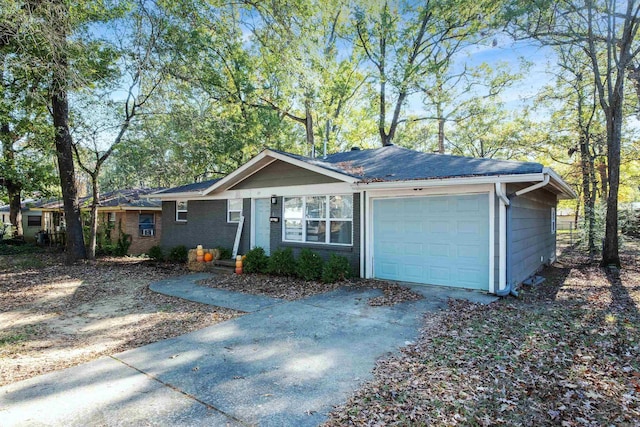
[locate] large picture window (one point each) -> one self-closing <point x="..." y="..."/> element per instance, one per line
<point x="181" y="210"/>
<point x="318" y="219"/>
<point x="234" y="210"/>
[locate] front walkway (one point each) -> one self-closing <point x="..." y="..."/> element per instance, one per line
<point x="287" y="363"/>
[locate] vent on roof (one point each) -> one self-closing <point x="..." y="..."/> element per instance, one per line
<point x="355" y="148"/>
<point x="389" y="144"/>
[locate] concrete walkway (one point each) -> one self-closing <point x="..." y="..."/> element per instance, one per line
<point x="286" y="364"/>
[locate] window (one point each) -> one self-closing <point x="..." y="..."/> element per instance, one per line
<point x="146" y="224"/>
<point x="33" y="221"/>
<point x="553" y="220"/>
<point x="319" y="219"/>
<point x="181" y="210"/>
<point x="234" y="210"/>
<point x="111" y="218"/>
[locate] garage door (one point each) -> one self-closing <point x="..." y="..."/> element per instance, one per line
<point x="439" y="240"/>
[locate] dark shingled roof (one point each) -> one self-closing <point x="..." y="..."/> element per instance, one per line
<point x="130" y="198"/>
<point x="392" y="163"/>
<point x="190" y="188"/>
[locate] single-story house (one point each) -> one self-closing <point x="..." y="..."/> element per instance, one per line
<point x="126" y="210"/>
<point x="395" y="213"/>
<point x="31" y="219"/>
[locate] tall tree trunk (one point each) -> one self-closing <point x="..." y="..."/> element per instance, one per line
<point x="440" y="131"/>
<point x="15" y="209"/>
<point x="610" y="254"/>
<point x="308" y="126"/>
<point x="93" y="236"/>
<point x="604" y="179"/>
<point x="14" y="188"/>
<point x="64" y="151"/>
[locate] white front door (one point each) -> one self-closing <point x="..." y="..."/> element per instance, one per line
<point x="261" y="224"/>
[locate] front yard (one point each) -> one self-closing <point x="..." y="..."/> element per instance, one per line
<point x="53" y="316"/>
<point x="566" y="353"/>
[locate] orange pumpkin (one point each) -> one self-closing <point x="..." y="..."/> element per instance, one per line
<point x="208" y="257"/>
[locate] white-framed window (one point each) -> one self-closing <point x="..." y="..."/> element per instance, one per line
<point x="181" y="210"/>
<point x="146" y="225"/>
<point x="234" y="210"/>
<point x="111" y="218"/>
<point x="318" y="219"/>
<point x="553" y="220"/>
<point x="34" y="221"/>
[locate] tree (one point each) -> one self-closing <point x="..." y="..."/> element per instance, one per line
<point x="608" y="37"/>
<point x="405" y="45"/>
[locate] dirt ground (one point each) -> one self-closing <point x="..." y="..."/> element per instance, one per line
<point x="53" y="316"/>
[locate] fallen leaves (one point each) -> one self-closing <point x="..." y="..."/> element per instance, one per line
<point x="566" y="353"/>
<point x="53" y="316"/>
<point x="292" y="289"/>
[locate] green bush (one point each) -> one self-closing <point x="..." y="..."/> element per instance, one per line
<point x="309" y="265"/>
<point x="337" y="268"/>
<point x="155" y="252"/>
<point x="179" y="253"/>
<point x="123" y="244"/>
<point x="224" y="252"/>
<point x="282" y="263"/>
<point x="256" y="261"/>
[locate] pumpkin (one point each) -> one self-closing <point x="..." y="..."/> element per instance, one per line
<point x="208" y="257"/>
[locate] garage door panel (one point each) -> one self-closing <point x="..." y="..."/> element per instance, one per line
<point x="441" y="240"/>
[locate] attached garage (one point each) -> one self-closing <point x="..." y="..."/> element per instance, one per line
<point x="439" y="240"/>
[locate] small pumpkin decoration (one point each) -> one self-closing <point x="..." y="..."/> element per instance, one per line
<point x="208" y="257"/>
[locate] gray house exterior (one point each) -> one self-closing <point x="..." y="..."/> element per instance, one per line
<point x="396" y="214"/>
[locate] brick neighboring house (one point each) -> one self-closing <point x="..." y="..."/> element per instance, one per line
<point x="125" y="211"/>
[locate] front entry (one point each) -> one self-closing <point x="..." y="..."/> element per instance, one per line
<point x="262" y="225"/>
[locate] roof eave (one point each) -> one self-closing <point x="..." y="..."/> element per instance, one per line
<point x="442" y="182"/>
<point x="261" y="161"/>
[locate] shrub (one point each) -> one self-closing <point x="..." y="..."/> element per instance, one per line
<point x="122" y="245"/>
<point x="282" y="263"/>
<point x="155" y="252"/>
<point x="309" y="265"/>
<point x="337" y="268"/>
<point x="224" y="252"/>
<point x="256" y="261"/>
<point x="179" y="253"/>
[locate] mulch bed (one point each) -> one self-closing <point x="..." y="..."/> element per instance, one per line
<point x="291" y="289"/>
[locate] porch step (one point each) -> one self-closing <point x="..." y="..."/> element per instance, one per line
<point x="225" y="263"/>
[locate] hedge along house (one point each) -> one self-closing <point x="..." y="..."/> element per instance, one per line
<point x="395" y="213"/>
<point x="121" y="211"/>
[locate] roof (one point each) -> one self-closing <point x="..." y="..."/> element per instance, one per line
<point x="131" y="198"/>
<point x="393" y="163"/>
<point x="196" y="187"/>
<point x="27" y="204"/>
<point x="386" y="164"/>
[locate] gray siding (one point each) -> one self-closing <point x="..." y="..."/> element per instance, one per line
<point x="206" y="225"/>
<point x="280" y="174"/>
<point x="352" y="253"/>
<point x="532" y="245"/>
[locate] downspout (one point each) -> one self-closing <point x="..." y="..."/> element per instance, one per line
<point x="506" y="287"/>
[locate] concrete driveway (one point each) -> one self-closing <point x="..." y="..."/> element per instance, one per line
<point x="286" y="363"/>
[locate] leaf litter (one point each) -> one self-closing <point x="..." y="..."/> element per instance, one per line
<point x="567" y="352"/>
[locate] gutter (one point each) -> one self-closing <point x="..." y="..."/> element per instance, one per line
<point x="505" y="285"/>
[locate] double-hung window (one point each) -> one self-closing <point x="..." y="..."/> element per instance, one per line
<point x="181" y="210"/>
<point x="234" y="210"/>
<point x="553" y="220"/>
<point x="319" y="219"/>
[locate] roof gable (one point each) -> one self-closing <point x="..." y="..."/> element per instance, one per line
<point x="280" y="174"/>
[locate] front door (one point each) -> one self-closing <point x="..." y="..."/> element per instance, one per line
<point x="262" y="225"/>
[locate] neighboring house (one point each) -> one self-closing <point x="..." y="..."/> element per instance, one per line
<point x="31" y="219"/>
<point x="121" y="210"/>
<point x="395" y="213"/>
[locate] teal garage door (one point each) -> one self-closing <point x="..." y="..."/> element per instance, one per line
<point x="438" y="240"/>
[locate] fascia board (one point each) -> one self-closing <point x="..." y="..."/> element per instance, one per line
<point x="440" y="182"/>
<point x="560" y="184"/>
<point x="231" y="179"/>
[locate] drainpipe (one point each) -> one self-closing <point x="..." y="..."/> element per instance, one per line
<point x="505" y="285"/>
<point x="504" y="288"/>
